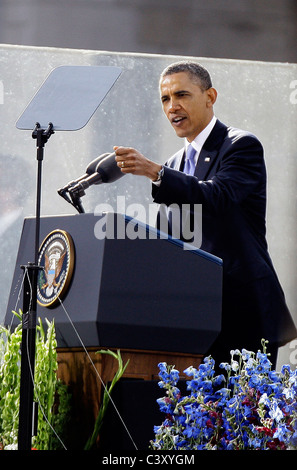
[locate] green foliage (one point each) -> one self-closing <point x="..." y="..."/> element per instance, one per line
<point x="106" y="397"/>
<point x="51" y="395"/>
<point x="10" y="384"/>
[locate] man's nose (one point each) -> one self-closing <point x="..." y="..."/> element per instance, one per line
<point x="173" y="105"/>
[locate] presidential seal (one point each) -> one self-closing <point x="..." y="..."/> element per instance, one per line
<point x="56" y="257"/>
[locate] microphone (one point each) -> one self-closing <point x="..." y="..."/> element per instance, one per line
<point x="91" y="168"/>
<point x="107" y="171"/>
<point x="103" y="169"/>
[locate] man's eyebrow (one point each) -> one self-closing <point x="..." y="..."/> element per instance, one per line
<point x="177" y="92"/>
<point x="181" y="91"/>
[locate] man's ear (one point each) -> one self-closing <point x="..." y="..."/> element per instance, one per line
<point x="212" y="96"/>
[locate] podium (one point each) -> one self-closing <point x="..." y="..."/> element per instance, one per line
<point x="144" y="294"/>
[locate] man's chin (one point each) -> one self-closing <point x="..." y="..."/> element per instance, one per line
<point x="180" y="132"/>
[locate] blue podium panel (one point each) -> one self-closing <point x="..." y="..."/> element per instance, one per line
<point x="146" y="293"/>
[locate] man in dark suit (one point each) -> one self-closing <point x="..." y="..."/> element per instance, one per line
<point x="228" y="178"/>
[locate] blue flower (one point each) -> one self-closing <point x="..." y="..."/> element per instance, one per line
<point x="218" y="380"/>
<point x="275" y="412"/>
<point x="255" y="443"/>
<point x="193" y="385"/>
<point x="158" y="429"/>
<point x="225" y="366"/>
<point x="206" y="386"/>
<point x="165" y="405"/>
<point x="265" y="400"/>
<point x="273" y="375"/>
<point x="255" y="381"/>
<point x="281" y="433"/>
<point x="174" y="375"/>
<point x="190" y="409"/>
<point x="191" y="431"/>
<point x="246" y="354"/>
<point x="190" y="371"/>
<point x="250" y="406"/>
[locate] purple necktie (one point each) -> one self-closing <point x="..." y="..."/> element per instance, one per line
<point x="189" y="168"/>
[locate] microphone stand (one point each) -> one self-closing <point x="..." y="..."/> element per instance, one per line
<point x="77" y="191"/>
<point x="28" y="424"/>
<point x="74" y="199"/>
<point x="75" y="195"/>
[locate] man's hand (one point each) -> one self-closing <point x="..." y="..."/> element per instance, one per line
<point x="132" y="161"/>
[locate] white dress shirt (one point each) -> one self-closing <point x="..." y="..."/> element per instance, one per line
<point x="200" y="140"/>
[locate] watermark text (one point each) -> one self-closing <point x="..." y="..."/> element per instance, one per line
<point x="293" y="353"/>
<point x="176" y="222"/>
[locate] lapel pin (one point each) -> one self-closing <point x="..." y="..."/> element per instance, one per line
<point x="207" y="159"/>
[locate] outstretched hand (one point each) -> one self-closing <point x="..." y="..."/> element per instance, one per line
<point x="132" y="161"/>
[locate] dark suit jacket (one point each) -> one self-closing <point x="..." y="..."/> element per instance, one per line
<point x="230" y="183"/>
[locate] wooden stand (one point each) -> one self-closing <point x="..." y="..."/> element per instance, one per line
<point x="82" y="371"/>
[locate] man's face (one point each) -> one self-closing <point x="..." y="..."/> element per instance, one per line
<point x="186" y="105"/>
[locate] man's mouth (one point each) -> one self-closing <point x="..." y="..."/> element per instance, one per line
<point x="177" y="120"/>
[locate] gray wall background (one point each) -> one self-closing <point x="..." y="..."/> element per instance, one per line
<point x="234" y="29"/>
<point x="245" y="44"/>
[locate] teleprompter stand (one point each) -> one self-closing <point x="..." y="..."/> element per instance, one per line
<point x="27" y="424"/>
<point x="66" y="101"/>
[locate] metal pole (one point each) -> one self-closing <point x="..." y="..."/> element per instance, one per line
<point x="28" y="345"/>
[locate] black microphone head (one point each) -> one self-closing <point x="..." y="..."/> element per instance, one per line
<point x="108" y="169"/>
<point x="93" y="164"/>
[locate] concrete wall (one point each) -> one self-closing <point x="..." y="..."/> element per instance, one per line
<point x="234" y="29"/>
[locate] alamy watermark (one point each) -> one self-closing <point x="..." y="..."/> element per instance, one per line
<point x="293" y="353"/>
<point x="176" y="222"/>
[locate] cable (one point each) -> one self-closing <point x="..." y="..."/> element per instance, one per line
<point x="98" y="375"/>
<point x="19" y="294"/>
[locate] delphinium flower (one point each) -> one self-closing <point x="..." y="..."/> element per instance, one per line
<point x="248" y="406"/>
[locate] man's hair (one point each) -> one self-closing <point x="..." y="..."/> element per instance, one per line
<point x="198" y="73"/>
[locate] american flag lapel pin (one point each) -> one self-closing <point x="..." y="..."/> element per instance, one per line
<point x="207" y="159"/>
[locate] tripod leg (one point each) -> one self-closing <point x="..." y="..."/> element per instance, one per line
<point x="27" y="361"/>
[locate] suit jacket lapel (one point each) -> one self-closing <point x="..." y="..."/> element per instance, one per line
<point x="210" y="150"/>
<point x="208" y="154"/>
<point x="205" y="162"/>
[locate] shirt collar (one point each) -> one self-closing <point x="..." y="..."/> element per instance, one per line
<point x="199" y="141"/>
